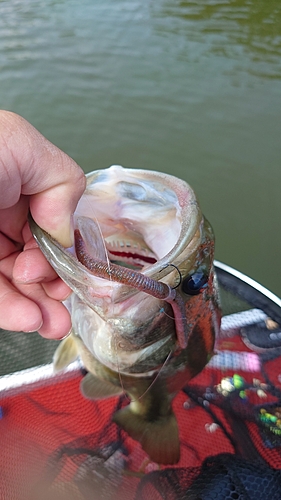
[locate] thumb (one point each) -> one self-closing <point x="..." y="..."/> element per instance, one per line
<point x="33" y="166"/>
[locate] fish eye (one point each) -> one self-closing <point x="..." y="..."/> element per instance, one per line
<point x="193" y="284"/>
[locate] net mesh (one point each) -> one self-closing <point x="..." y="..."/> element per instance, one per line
<point x="57" y="445"/>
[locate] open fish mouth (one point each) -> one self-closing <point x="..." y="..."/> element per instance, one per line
<point x="129" y="250"/>
<point x="144" y="309"/>
<point x="139" y="239"/>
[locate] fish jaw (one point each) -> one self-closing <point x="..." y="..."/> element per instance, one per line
<point x="151" y="204"/>
<point x="163" y="211"/>
<point x="129" y="340"/>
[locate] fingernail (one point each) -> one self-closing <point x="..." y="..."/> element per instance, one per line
<point x="67" y="335"/>
<point x="66" y="296"/>
<point x="35" y="330"/>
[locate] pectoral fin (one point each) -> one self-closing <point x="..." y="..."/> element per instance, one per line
<point x="159" y="438"/>
<point x="94" y="388"/>
<point x="66" y="353"/>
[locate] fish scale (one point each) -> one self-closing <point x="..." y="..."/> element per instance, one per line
<point x="141" y="331"/>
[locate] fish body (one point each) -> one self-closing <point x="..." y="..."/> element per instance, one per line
<point x="144" y="306"/>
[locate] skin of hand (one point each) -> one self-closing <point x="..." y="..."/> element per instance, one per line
<point x="35" y="175"/>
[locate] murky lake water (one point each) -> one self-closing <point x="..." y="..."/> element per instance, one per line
<point x="191" y="88"/>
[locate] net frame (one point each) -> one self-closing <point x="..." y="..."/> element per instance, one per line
<point x="59" y="445"/>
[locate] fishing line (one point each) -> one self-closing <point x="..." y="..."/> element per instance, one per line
<point x="102" y="238"/>
<point x="114" y="338"/>
<point x="173" y="287"/>
<point x="166" y="314"/>
<point x="180" y="275"/>
<point x="115" y="345"/>
<point x="110" y="279"/>
<point x="153" y="381"/>
<point x="158" y="373"/>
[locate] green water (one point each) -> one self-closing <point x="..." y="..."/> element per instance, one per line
<point x="189" y="88"/>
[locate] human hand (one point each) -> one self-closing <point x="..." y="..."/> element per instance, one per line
<point x="35" y="175"/>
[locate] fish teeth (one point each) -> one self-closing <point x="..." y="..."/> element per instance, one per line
<point x="128" y="240"/>
<point x="132" y="249"/>
<point x="122" y="243"/>
<point x="125" y="244"/>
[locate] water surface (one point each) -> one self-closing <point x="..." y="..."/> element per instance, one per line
<point x="188" y="88"/>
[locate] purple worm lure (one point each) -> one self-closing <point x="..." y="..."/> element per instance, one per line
<point x="139" y="281"/>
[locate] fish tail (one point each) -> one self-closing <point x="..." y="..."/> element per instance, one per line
<point x="159" y="438"/>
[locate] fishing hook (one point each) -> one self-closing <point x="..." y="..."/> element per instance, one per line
<point x="180" y="275"/>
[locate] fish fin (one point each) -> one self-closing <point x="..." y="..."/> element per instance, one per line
<point x="159" y="438"/>
<point x="94" y="388"/>
<point x="66" y="352"/>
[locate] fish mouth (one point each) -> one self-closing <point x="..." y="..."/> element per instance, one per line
<point x="130" y="250"/>
<point x="144" y="226"/>
<point x="135" y="233"/>
<point x="146" y="220"/>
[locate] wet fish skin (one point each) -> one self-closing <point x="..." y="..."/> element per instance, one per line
<point x="127" y="339"/>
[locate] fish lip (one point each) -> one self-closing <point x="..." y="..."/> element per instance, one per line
<point x="182" y="253"/>
<point x="191" y="220"/>
<point x="190" y="210"/>
<point x="183" y="248"/>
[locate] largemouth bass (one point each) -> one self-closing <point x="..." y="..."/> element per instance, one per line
<point x="145" y="309"/>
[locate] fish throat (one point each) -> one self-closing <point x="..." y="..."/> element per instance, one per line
<point x="131" y="228"/>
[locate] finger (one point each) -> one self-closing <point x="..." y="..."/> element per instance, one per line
<point x="28" y="307"/>
<point x="57" y="289"/>
<point x="12" y="219"/>
<point x="31" y="165"/>
<point x="6" y="246"/>
<point x="56" y="319"/>
<point x="53" y="286"/>
<point x="31" y="267"/>
<point x="17" y="312"/>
